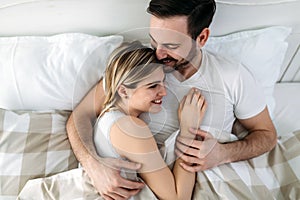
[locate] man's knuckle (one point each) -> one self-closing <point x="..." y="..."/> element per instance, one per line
<point x="191" y="160"/>
<point x="184" y="157"/>
<point x="112" y="187"/>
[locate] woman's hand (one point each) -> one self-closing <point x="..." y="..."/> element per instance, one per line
<point x="191" y="111"/>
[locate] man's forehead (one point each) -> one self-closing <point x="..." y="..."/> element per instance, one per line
<point x="165" y="36"/>
<point x="177" y="23"/>
<point x="174" y="22"/>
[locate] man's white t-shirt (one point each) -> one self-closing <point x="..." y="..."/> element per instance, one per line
<point x="229" y="89"/>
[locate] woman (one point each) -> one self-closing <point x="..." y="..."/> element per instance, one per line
<point x="134" y="83"/>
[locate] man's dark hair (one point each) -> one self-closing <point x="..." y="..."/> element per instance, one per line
<point x="199" y="12"/>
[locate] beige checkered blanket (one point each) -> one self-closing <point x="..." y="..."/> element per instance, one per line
<point x="274" y="175"/>
<point x="32" y="145"/>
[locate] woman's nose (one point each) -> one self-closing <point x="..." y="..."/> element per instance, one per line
<point x="163" y="91"/>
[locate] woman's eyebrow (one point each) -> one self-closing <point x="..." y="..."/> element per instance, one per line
<point x="152" y="83"/>
<point x="155" y="82"/>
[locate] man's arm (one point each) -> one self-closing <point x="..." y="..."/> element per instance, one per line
<point x="209" y="153"/>
<point x="104" y="172"/>
<point x="81" y="122"/>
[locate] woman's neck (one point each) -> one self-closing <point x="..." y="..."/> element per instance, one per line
<point x="124" y="107"/>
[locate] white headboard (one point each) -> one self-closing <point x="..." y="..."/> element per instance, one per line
<point x="105" y="17"/>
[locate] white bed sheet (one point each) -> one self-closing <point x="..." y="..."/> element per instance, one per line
<point x="287" y="110"/>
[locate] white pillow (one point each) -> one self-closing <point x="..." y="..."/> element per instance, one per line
<point x="55" y="72"/>
<point x="261" y="51"/>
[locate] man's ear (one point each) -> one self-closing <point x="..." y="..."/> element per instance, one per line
<point x="203" y="37"/>
<point x="122" y="91"/>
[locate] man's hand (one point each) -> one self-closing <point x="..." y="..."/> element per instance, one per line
<point x="106" y="178"/>
<point x="201" y="154"/>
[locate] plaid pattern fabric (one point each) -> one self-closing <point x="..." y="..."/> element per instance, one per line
<point x="32" y="145"/>
<point x="273" y="175"/>
<point x="269" y="176"/>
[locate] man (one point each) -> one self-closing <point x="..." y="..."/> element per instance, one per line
<point x="178" y="31"/>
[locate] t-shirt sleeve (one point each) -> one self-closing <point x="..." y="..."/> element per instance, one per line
<point x="249" y="96"/>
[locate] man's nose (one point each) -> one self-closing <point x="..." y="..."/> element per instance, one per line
<point x="161" y="53"/>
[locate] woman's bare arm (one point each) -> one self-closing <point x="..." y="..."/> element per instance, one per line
<point x="132" y="138"/>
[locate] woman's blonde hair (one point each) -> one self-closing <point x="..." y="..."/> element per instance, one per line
<point x="128" y="65"/>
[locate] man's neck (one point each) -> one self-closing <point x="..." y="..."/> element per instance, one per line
<point x="188" y="71"/>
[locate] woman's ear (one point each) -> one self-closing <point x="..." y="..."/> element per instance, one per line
<point x="122" y="91"/>
<point x="203" y="37"/>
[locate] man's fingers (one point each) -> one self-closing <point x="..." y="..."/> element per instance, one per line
<point x="123" y="189"/>
<point x="187" y="150"/>
<point x="112" y="196"/>
<point x="132" y="185"/>
<point x="199" y="132"/>
<point x="189" y="142"/>
<point x="119" y="163"/>
<point x="186" y="158"/>
<point x="189" y="168"/>
<point x="125" y="193"/>
<point x="106" y="197"/>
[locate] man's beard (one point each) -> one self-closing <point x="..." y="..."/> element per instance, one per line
<point x="182" y="63"/>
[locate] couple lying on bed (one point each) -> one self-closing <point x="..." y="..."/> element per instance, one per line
<point x="179" y="30"/>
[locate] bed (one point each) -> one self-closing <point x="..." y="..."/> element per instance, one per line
<point x="49" y="59"/>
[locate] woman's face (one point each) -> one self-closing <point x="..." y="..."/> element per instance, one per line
<point x="147" y="97"/>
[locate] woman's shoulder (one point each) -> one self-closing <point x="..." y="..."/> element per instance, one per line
<point x="132" y="135"/>
<point x="109" y="118"/>
<point x="132" y="126"/>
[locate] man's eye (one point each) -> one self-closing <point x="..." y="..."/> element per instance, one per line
<point x="172" y="46"/>
<point x="153" y="86"/>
